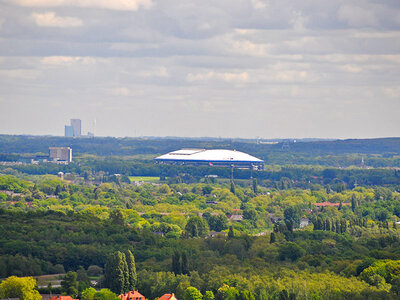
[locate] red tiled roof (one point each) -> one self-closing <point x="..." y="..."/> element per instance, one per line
<point x="132" y="295"/>
<point x="166" y="297"/>
<point x="62" y="298"/>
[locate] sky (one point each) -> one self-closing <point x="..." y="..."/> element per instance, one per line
<point x="190" y="68"/>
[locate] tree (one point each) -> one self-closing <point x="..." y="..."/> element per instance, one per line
<point x="272" y="238"/>
<point x="292" y="215"/>
<point x="116" y="217"/>
<point x="290" y="251"/>
<point x="231" y="233"/>
<point x="225" y="292"/>
<point x="83" y="279"/>
<point x="353" y="202"/>
<point x="217" y="223"/>
<point x="94" y="270"/>
<point x="184" y="264"/>
<point x="209" y="295"/>
<point x="116" y="273"/>
<point x="246" y="295"/>
<point x="88" y="294"/>
<point x="207" y="190"/>
<point x="105" y="294"/>
<point x="196" y="227"/>
<point x="22" y="288"/>
<point x="69" y="284"/>
<point x="233" y="189"/>
<point x="132" y="277"/>
<point x="395" y="285"/>
<point x="250" y="214"/>
<point x="192" y="293"/>
<point x="176" y="266"/>
<point x="255" y="186"/>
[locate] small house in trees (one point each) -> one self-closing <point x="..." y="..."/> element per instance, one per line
<point x="132" y="295"/>
<point x="168" y="297"/>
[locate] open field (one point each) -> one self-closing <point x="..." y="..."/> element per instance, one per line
<point x="144" y="178"/>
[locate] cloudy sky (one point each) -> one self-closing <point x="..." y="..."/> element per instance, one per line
<point x="229" y="68"/>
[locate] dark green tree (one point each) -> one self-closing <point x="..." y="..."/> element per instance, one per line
<point x="395" y="289"/>
<point x="132" y="278"/>
<point x="184" y="264"/>
<point x="292" y="215"/>
<point x="272" y="238"/>
<point x="233" y="188"/>
<point x="83" y="279"/>
<point x="255" y="186"/>
<point x="116" y="217"/>
<point x="353" y="202"/>
<point x="290" y="251"/>
<point x="245" y="295"/>
<point x="176" y="265"/>
<point x="116" y="272"/>
<point x="217" y="223"/>
<point x="231" y="233"/>
<point x="251" y="215"/>
<point x="69" y="284"/>
<point x="196" y="227"/>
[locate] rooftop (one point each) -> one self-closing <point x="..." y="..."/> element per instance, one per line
<point x="209" y="155"/>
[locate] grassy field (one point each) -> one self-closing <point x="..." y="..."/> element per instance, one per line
<point x="44" y="280"/>
<point x="144" y="178"/>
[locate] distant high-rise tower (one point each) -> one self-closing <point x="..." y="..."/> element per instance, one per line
<point x="69" y="131"/>
<point x="76" y="126"/>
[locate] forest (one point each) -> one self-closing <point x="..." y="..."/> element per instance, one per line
<point x="293" y="231"/>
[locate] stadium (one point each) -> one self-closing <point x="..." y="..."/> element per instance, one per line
<point x="214" y="157"/>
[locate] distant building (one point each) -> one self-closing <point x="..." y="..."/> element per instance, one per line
<point x="60" y="154"/>
<point x="212" y="157"/>
<point x="132" y="295"/>
<point x="69" y="131"/>
<point x="304" y="222"/>
<point x="236" y="218"/>
<point x="76" y="126"/>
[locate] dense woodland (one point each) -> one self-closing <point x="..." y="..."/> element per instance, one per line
<point x="177" y="231"/>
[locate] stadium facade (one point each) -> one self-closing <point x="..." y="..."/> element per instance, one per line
<point x="212" y="157"/>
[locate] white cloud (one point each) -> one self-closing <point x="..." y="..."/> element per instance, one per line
<point x="67" y="60"/>
<point x="49" y="19"/>
<point x="249" y="48"/>
<point x="20" y="73"/>
<point x="392" y="92"/>
<point x="120" y="91"/>
<point x="226" y="77"/>
<point x="351" y="68"/>
<point x="132" y="5"/>
<point x="258" y="4"/>
<point x="156" y="72"/>
<point x="358" y="16"/>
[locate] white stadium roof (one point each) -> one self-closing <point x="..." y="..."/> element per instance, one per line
<point x="220" y="155"/>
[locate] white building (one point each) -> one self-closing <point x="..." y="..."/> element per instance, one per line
<point x="214" y="157"/>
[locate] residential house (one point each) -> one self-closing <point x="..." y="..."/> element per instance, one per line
<point x="132" y="295"/>
<point x="168" y="297"/>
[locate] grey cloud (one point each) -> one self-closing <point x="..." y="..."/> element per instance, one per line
<point x="228" y="68"/>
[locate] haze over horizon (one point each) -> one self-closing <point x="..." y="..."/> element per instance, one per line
<point x="241" y="68"/>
